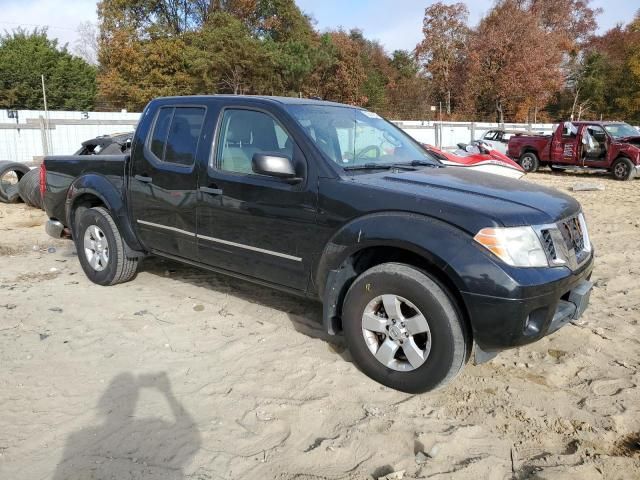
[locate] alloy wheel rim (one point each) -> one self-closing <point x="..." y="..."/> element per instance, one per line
<point x="396" y="332"/>
<point x="527" y="163"/>
<point x="96" y="248"/>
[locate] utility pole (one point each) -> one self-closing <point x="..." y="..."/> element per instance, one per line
<point x="440" y="129"/>
<point x="46" y="116"/>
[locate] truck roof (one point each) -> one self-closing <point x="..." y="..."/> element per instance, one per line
<point x="265" y="98"/>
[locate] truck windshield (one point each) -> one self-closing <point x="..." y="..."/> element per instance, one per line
<point x="351" y="137"/>
<point x="621" y="130"/>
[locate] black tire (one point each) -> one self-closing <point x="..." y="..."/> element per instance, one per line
<point x="450" y="343"/>
<point x="529" y="162"/>
<point x="118" y="268"/>
<point x="9" y="190"/>
<point x="29" y="188"/>
<point x="622" y="169"/>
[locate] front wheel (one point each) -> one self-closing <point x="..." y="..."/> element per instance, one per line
<point x="403" y="329"/>
<point x="529" y="162"/>
<point x="622" y="169"/>
<point x="101" y="248"/>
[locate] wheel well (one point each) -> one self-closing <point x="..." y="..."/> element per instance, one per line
<point x="86" y="200"/>
<point x="528" y="150"/>
<point x="367" y="258"/>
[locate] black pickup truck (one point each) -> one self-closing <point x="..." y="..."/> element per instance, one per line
<point x="416" y="263"/>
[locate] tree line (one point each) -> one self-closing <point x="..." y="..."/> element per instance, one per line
<point x="525" y="61"/>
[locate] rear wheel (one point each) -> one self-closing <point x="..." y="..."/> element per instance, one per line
<point x="529" y="162"/>
<point x="622" y="169"/>
<point x="403" y="329"/>
<point x="101" y="247"/>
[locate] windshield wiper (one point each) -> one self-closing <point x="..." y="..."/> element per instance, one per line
<point x="418" y="163"/>
<point x="371" y="166"/>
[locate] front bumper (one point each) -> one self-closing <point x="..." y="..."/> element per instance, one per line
<point x="500" y="323"/>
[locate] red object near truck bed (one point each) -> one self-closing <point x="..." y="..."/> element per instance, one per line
<point x="607" y="146"/>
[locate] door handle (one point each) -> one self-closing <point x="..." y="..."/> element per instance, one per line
<point x="211" y="190"/>
<point x="143" y="179"/>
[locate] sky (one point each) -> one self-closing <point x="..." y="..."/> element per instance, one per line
<point x="396" y="24"/>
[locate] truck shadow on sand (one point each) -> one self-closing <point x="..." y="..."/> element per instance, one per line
<point x="305" y="315"/>
<point x="125" y="446"/>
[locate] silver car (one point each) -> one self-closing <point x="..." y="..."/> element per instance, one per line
<point x="498" y="139"/>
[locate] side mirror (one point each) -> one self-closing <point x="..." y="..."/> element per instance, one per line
<point x="274" y="165"/>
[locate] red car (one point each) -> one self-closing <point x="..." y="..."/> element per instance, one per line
<point x="607" y="146"/>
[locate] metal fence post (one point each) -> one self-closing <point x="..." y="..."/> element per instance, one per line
<point x="44" y="136"/>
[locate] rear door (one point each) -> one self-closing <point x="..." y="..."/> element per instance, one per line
<point x="252" y="224"/>
<point x="163" y="181"/>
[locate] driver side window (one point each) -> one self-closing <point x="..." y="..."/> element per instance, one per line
<point x="244" y="133"/>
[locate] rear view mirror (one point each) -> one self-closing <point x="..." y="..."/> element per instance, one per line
<point x="274" y="165"/>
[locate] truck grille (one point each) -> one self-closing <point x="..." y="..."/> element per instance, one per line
<point x="566" y="242"/>
<point x="573" y="236"/>
<point x="547" y="243"/>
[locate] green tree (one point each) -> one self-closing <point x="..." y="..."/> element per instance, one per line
<point x="444" y="47"/>
<point x="25" y="56"/>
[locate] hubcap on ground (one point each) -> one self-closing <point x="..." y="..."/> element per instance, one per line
<point x="396" y="332"/>
<point x="96" y="248"/>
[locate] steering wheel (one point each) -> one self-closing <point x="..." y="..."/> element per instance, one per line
<point x="366" y="150"/>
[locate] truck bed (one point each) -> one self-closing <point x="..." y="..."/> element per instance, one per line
<point x="62" y="170"/>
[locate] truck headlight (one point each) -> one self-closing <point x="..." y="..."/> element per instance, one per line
<point x="516" y="246"/>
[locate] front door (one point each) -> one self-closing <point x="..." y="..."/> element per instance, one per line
<point x="564" y="148"/>
<point x="163" y="181"/>
<point x="252" y="224"/>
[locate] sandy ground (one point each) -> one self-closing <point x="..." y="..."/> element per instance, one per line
<point x="186" y="374"/>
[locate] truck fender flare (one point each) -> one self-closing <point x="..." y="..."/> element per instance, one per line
<point x="417" y="234"/>
<point x="109" y="195"/>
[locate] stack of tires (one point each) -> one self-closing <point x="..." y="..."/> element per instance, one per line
<point x="29" y="188"/>
<point x="10" y="175"/>
<point x="20" y="183"/>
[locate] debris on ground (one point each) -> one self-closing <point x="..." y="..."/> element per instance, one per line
<point x="587" y="187"/>
<point x="421" y="458"/>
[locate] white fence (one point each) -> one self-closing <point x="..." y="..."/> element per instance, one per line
<point x="27" y="138"/>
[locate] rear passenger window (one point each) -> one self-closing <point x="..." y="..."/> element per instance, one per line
<point x="490" y="135"/>
<point x="183" y="135"/>
<point x="160" y="130"/>
<point x="176" y="133"/>
<point x="244" y="133"/>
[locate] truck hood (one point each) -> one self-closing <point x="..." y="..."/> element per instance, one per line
<point x="635" y="141"/>
<point x="472" y="199"/>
